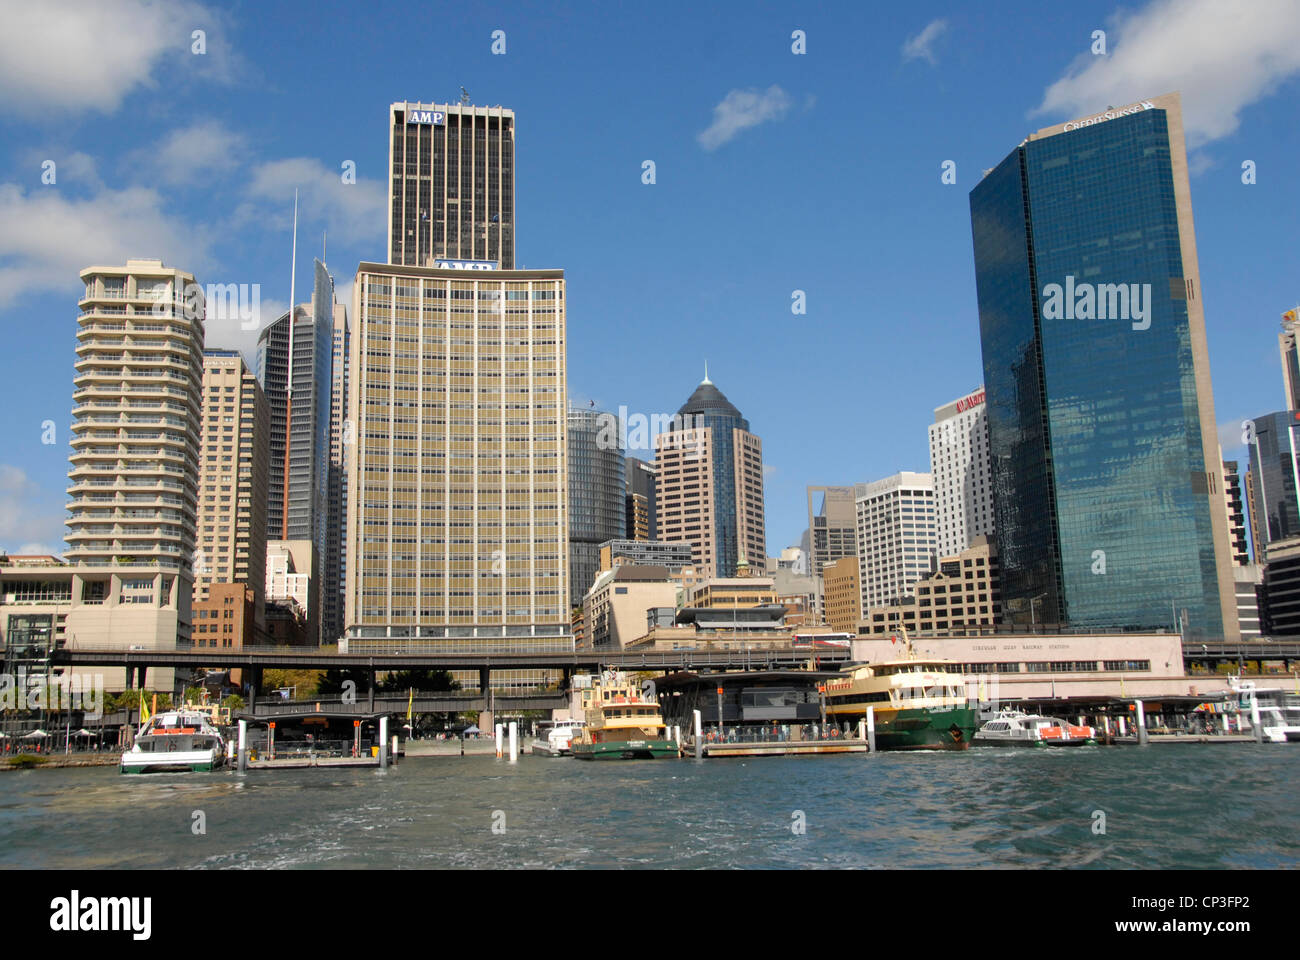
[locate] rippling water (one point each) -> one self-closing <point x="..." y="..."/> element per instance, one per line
<point x="1179" y="806"/>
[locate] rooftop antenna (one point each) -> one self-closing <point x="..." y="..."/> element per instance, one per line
<point x="464" y="95"/>
<point x="323" y="238"/>
<point x="706" y="373"/>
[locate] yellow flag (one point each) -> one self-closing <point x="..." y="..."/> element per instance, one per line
<point x="410" y="703"/>
<point x="144" y="710"/>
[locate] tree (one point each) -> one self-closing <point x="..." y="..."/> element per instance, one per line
<point x="426" y="681"/>
<point x="233" y="702"/>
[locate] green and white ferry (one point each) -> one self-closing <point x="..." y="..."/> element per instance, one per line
<point x="920" y="703"/>
<point x="622" y="724"/>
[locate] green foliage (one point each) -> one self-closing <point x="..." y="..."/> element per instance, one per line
<point x="26" y="760"/>
<point x="233" y="702"/>
<point x="305" y="683"/>
<point x="332" y="681"/>
<point x="425" y="681"/>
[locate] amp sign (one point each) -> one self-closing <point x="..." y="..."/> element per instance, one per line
<point x="425" y="116"/>
<point x="466" y="264"/>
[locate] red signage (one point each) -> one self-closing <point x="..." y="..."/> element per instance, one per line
<point x="974" y="400"/>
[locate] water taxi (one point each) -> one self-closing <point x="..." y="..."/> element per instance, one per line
<point x="183" y="739"/>
<point x="621" y="723"/>
<point x="1279" y="710"/>
<point x="1015" y="728"/>
<point x="920" y="703"/>
<point x="555" y="737"/>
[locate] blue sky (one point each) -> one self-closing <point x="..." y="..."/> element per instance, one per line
<point x="820" y="172"/>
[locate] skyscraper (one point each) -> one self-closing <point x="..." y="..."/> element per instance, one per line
<point x="233" y="463"/>
<point x="457" y="496"/>
<point x="710" y="484"/>
<point x="641" y="504"/>
<point x="959" y="462"/>
<point x="341" y="434"/>
<point x="1290" y="351"/>
<point x="1275" y="469"/>
<point x="1107" y="485"/>
<point x="1236" y="513"/>
<point x="295" y="368"/>
<point x="832" y="527"/>
<point x="896" y="538"/>
<point x="597" y="507"/>
<point x="451" y="184"/>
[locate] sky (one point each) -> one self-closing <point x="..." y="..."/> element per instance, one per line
<point x="775" y="172"/>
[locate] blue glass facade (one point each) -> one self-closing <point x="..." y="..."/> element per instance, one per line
<point x="1274" y="465"/>
<point x="709" y="408"/>
<point x="1101" y="488"/>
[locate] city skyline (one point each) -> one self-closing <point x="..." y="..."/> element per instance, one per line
<point x="701" y="166"/>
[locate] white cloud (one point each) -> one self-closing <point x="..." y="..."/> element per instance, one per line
<point x="194" y="153"/>
<point x="741" y="109"/>
<point x="921" y="46"/>
<point x="352" y="210"/>
<point x="1221" y="57"/>
<point x="47" y="237"/>
<point x="91" y="54"/>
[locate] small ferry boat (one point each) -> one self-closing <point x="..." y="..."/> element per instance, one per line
<point x="1015" y="728"/>
<point x="555" y="737"/>
<point x="183" y="739"/>
<point x="1279" y="710"/>
<point x="621" y="723"/>
<point x="920" y="703"/>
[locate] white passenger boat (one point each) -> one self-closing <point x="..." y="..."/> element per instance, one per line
<point x="181" y="739"/>
<point x="555" y="737"/>
<point x="1279" y="710"/>
<point x="1015" y="728"/>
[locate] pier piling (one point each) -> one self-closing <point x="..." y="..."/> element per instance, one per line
<point x="383" y="743"/>
<point x="1141" y="723"/>
<point x="699" y="736"/>
<point x="514" y="741"/>
<point x="499" y="735"/>
<point x="243" y="745"/>
<point x="1256" y="727"/>
<point x="871" y="729"/>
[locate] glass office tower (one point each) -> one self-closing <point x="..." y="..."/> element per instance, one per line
<point x="597" y="507"/>
<point x="1273" y="462"/>
<point x="1108" y="489"/>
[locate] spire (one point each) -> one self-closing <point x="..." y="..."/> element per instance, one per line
<point x="706" y="373"/>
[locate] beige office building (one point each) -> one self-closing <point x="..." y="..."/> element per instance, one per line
<point x="832" y="527"/>
<point x="965" y="593"/>
<point x="234" y="457"/>
<point x="457" y="499"/>
<point x="614" y="611"/>
<point x="843" y="595"/>
<point x="709" y="489"/>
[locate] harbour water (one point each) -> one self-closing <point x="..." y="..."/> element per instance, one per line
<point x="1169" y="806"/>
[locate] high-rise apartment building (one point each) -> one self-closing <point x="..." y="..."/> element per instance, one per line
<point x="295" y="368"/>
<point x="832" y="527"/>
<point x="709" y="486"/>
<point x="963" y="482"/>
<point x="1097" y="379"/>
<point x="451" y="184"/>
<point x="337" y="483"/>
<point x="896" y="537"/>
<point x="597" y="498"/>
<point x="457" y="497"/>
<point x="134" y="467"/>
<point x="233" y="463"/>
<point x="642" y="522"/>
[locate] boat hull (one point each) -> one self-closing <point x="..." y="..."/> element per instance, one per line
<point x="626" y="750"/>
<point x="925" y="728"/>
<point x="197" y="762"/>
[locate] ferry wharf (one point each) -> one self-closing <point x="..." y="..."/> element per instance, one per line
<point x="317" y="737"/>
